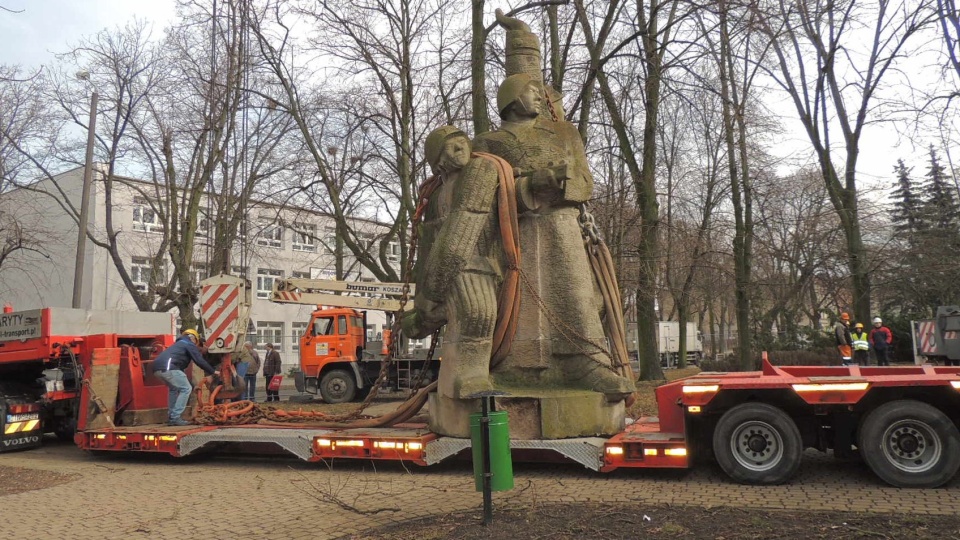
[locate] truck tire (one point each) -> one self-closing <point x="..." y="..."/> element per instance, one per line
<point x="756" y="443"/>
<point x="910" y="444"/>
<point x="338" y="386"/>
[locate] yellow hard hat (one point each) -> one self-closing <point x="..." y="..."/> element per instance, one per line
<point x="193" y="333"/>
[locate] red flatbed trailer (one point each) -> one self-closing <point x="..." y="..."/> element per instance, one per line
<point x="902" y="420"/>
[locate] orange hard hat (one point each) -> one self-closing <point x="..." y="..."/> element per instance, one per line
<point x="844" y="317"/>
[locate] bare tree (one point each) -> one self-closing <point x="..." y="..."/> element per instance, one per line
<point x="651" y="31"/>
<point x="171" y="115"/>
<point x="382" y="54"/>
<point x="831" y="58"/>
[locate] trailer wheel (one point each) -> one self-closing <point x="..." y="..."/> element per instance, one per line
<point x="338" y="386"/>
<point x="910" y="444"/>
<point x="756" y="443"/>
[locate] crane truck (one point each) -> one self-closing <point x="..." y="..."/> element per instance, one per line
<point x="336" y="358"/>
<point x="756" y="425"/>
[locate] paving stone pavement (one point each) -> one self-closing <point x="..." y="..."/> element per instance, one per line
<point x="252" y="497"/>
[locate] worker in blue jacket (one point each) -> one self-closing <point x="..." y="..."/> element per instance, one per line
<point x="169" y="367"/>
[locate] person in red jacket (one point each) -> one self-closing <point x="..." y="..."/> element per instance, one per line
<point x="881" y="339"/>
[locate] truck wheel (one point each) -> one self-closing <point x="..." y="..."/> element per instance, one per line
<point x="338" y="386"/>
<point x="756" y="443"/>
<point x="910" y="444"/>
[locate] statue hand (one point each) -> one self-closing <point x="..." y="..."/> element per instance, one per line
<point x="546" y="181"/>
<point x="413" y="325"/>
<point x="510" y="23"/>
<point x="426" y="317"/>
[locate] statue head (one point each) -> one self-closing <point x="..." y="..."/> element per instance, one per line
<point x="447" y="149"/>
<point x="521" y="93"/>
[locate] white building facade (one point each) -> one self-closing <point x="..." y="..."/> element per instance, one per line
<point x="43" y="277"/>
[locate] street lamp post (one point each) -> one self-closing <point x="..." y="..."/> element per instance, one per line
<point x="85" y="197"/>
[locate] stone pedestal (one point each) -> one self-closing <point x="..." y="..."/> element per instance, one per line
<point x="534" y="414"/>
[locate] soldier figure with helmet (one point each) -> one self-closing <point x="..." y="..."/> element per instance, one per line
<point x="460" y="267"/>
<point x="561" y="340"/>
<point x="169" y="367"/>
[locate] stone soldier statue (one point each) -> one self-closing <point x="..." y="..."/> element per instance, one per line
<point x="560" y="341"/>
<point x="461" y="265"/>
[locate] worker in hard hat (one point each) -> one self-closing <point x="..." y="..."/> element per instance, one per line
<point x="882" y="339"/>
<point x="844" y="340"/>
<point x="861" y="345"/>
<point x="169" y="367"/>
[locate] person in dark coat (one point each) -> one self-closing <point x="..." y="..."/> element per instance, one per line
<point x="252" y="359"/>
<point x="271" y="369"/>
<point x="169" y="367"/>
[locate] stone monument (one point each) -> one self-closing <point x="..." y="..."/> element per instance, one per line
<point x="558" y="374"/>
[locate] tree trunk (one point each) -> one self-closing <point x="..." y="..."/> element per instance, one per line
<point x="481" y="117"/>
<point x="740" y="190"/>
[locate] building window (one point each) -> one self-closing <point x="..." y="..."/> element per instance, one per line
<point x="393" y="252"/>
<point x="298" y="329"/>
<point x="203" y="225"/>
<point x="140" y="270"/>
<point x="270" y="332"/>
<point x="145" y="218"/>
<point x="271" y="234"/>
<point x="239" y="271"/>
<point x="265" y="279"/>
<point x="304" y="237"/>
<point x="300" y="274"/>
<point x="329" y="240"/>
<point x="200" y="272"/>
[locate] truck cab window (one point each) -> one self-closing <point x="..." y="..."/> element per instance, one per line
<point x="341" y="325"/>
<point x="323" y="326"/>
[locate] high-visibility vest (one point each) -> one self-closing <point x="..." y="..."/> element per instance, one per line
<point x="860" y="342"/>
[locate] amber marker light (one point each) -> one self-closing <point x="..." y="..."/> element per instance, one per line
<point x="955" y="384"/>
<point x="693" y="409"/>
<point x="831" y="387"/>
<point x="675" y="451"/>
<point x="615" y="450"/>
<point x="700" y="388"/>
<point x="350" y="443"/>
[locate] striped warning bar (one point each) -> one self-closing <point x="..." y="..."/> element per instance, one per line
<point x="926" y="337"/>
<point x="19" y="427"/>
<point x="287" y="296"/>
<point x="220" y="309"/>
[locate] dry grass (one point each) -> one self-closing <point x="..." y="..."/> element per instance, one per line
<point x="646" y="404"/>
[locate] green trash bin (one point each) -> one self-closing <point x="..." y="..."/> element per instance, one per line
<point x="501" y="464"/>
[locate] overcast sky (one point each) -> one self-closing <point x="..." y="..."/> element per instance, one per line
<point x="43" y="28"/>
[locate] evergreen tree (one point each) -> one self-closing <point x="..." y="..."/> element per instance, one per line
<point x="940" y="206"/>
<point x="906" y="215"/>
<point x="938" y="273"/>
